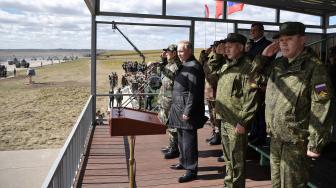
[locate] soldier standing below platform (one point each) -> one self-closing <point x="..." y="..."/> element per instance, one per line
<point x="298" y="105"/>
<point x="149" y="99"/>
<point x="236" y="103"/>
<point x="119" y="98"/>
<point x="111" y="98"/>
<point x="169" y="67"/>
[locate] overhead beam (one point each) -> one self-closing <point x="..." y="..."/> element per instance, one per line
<point x="317" y="9"/>
<point x="188" y="18"/>
<point x="142" y="24"/>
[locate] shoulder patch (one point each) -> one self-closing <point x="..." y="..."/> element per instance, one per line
<point x="321" y="90"/>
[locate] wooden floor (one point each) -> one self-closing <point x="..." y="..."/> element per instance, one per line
<point x="108" y="163"/>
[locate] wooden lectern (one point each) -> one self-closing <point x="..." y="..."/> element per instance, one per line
<point x="131" y="122"/>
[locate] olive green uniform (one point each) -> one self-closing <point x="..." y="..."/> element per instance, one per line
<point x="236" y="102"/>
<point x="211" y="81"/>
<point x="168" y="71"/>
<point x="298" y="104"/>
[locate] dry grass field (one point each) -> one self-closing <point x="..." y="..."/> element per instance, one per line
<point x="41" y="115"/>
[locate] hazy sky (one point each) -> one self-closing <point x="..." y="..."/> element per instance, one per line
<point x="49" y="24"/>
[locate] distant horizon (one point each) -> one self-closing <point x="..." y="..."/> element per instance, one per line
<point x="3" y="49"/>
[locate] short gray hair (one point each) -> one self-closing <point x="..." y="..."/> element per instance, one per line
<point x="185" y="44"/>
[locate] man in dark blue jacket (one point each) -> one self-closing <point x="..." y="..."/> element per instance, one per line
<point x="258" y="44"/>
<point x="258" y="40"/>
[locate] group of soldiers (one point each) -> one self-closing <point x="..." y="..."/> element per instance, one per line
<point x="113" y="80"/>
<point x="118" y="98"/>
<point x="130" y="66"/>
<point x="138" y="83"/>
<point x="280" y="87"/>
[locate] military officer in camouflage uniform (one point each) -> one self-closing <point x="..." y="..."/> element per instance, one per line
<point x="298" y="105"/>
<point x="168" y="68"/>
<point x="218" y="48"/>
<point x="236" y="103"/>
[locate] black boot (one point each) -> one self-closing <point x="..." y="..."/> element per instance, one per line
<point x="165" y="149"/>
<point x="189" y="176"/>
<point x="172" y="153"/>
<point x="216" y="139"/>
<point x="212" y="135"/>
<point x="221" y="159"/>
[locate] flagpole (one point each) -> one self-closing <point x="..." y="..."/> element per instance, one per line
<point x="205" y="35"/>
<point x="215" y="31"/>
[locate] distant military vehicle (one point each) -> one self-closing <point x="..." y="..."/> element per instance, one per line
<point x="3" y="71"/>
<point x="13" y="62"/>
<point x="23" y="64"/>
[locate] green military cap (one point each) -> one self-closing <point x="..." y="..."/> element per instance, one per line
<point x="292" y="28"/>
<point x="171" y="48"/>
<point x="222" y="41"/>
<point x="236" y="37"/>
<point x="215" y="44"/>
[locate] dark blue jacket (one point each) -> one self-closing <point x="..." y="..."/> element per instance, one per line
<point x="258" y="47"/>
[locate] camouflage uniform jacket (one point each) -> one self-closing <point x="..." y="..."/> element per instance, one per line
<point x="169" y="70"/>
<point x="211" y="80"/>
<point x="236" y="101"/>
<point x="298" y="101"/>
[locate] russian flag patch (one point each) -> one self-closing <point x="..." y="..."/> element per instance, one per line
<point x="321" y="90"/>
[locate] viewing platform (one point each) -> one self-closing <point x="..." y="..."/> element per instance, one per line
<point x="107" y="163"/>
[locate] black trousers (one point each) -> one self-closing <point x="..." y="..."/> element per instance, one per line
<point x="187" y="142"/>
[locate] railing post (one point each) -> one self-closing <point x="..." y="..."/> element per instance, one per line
<point x="64" y="169"/>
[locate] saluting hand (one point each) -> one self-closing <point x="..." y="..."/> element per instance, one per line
<point x="164" y="54"/>
<point x="271" y="49"/>
<point x="208" y="50"/>
<point x="239" y="129"/>
<point x="185" y="117"/>
<point x="312" y="154"/>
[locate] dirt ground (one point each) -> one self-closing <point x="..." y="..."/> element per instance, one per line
<point x="42" y="115"/>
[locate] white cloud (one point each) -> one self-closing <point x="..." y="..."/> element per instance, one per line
<point x="44" y="24"/>
<point x="67" y="24"/>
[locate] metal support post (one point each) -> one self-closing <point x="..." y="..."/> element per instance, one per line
<point x="93" y="66"/>
<point x="192" y="34"/>
<point x="131" y="141"/>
